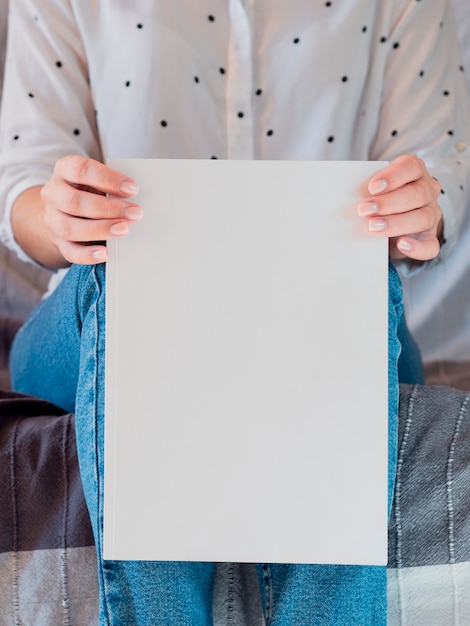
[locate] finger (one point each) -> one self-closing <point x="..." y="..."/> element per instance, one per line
<point x="423" y="220"/>
<point x="76" y="229"/>
<point x="402" y="170"/>
<point x="79" y="170"/>
<point x="83" y="254"/>
<point x="420" y="248"/>
<point x="414" y="195"/>
<point x="66" y="198"/>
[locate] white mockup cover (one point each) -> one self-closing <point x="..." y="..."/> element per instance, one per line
<point x="246" y="367"/>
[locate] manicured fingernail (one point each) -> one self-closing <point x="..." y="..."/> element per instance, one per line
<point x="378" y="186"/>
<point x="134" y="212"/>
<point x="100" y="255"/>
<point x="404" y="245"/>
<point x="367" y="208"/>
<point x="129" y="188"/>
<point x="121" y="228"/>
<point x="377" y="225"/>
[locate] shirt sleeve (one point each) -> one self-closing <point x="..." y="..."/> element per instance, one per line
<point x="424" y="105"/>
<point x="47" y="106"/>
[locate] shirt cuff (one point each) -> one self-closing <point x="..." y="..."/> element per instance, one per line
<point x="7" y="236"/>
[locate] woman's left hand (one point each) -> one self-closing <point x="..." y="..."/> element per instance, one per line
<point x="403" y="206"/>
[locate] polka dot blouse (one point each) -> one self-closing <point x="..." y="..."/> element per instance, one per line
<point x="232" y="79"/>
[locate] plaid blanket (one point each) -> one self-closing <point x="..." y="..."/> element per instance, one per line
<point x="47" y="558"/>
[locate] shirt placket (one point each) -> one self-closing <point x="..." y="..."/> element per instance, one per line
<point x="239" y="85"/>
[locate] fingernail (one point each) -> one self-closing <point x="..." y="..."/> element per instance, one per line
<point x="100" y="255"/>
<point x="367" y="208"/>
<point x="129" y="188"/>
<point x="378" y="186"/>
<point x="404" y="245"/>
<point x="377" y="225"/>
<point x="121" y="228"/>
<point x="134" y="212"/>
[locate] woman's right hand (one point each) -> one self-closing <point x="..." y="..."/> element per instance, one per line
<point x="70" y="219"/>
<point x="78" y="213"/>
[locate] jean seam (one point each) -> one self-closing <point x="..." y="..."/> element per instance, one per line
<point x="267" y="593"/>
<point x="97" y="330"/>
<point x="230" y="593"/>
<point x="92" y="309"/>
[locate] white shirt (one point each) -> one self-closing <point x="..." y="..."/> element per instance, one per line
<point x="238" y="79"/>
<point x="438" y="300"/>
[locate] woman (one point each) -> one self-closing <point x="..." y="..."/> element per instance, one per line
<point x="323" y="80"/>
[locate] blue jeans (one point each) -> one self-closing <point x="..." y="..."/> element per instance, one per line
<point x="59" y="355"/>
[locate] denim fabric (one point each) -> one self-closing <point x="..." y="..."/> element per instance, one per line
<point x="58" y="355"/>
<point x="55" y="356"/>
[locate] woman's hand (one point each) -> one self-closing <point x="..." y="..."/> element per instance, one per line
<point x="79" y="215"/>
<point x="70" y="218"/>
<point x="403" y="206"/>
